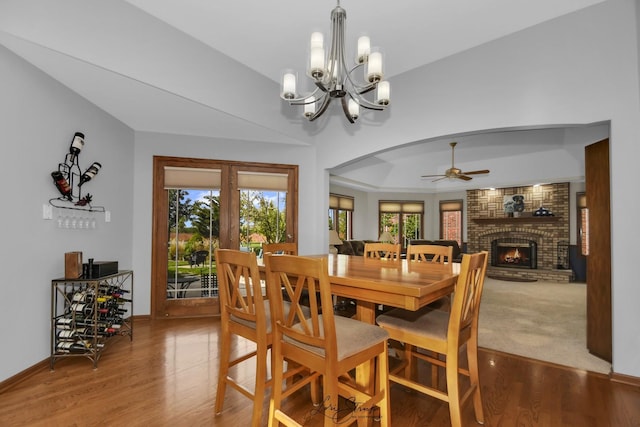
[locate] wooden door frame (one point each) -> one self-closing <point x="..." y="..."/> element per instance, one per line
<point x="599" y="302"/>
<point x="229" y="229"/>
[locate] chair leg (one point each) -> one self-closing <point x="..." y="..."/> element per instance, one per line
<point x="382" y="386"/>
<point x="330" y="401"/>
<point x="474" y="379"/>
<point x="276" y="391"/>
<point x="453" y="389"/>
<point x="260" y="385"/>
<point x="223" y="372"/>
<point x="411" y="366"/>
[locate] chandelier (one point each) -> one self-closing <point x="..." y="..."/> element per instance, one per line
<point x="335" y="80"/>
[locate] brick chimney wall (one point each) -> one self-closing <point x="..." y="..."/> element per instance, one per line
<point x="487" y="220"/>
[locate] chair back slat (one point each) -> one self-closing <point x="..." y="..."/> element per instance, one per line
<point x="430" y="253"/>
<point x="466" y="301"/>
<point x="239" y="285"/>
<point x="382" y="251"/>
<point x="284" y="248"/>
<point x="313" y="325"/>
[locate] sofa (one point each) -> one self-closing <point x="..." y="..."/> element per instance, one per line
<point x="356" y="247"/>
<point x="353" y="247"/>
<point x="457" y="252"/>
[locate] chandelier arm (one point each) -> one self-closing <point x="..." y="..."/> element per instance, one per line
<point x="356" y="85"/>
<point x="304" y="100"/>
<point x="325" y="103"/>
<point x="345" y="108"/>
<point x="337" y="54"/>
<point x="358" y="91"/>
<point x="364" y="102"/>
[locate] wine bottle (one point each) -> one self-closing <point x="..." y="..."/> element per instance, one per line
<point x="77" y="143"/>
<point x="82" y="308"/>
<point x="72" y="347"/>
<point x="71" y="334"/>
<point x="64" y="323"/>
<point x="83" y="296"/>
<point x="91" y="172"/>
<point x="62" y="184"/>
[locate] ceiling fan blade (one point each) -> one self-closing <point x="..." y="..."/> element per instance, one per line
<point x="431" y="176"/>
<point x="476" y="172"/>
<point x="440" y="179"/>
<point x="464" y="177"/>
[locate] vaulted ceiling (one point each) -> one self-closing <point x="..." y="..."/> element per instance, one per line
<point x="185" y="67"/>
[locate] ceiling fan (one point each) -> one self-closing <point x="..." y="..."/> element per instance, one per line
<point x="454" y="172"/>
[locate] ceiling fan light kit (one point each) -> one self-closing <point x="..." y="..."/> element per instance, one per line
<point x="335" y="80"/>
<point x="454" y="172"/>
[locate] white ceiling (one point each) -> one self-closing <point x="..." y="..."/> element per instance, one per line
<point x="153" y="64"/>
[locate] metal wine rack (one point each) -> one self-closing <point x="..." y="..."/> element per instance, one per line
<point x="86" y="313"/>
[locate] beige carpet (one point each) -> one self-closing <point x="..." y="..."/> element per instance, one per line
<point x="540" y="320"/>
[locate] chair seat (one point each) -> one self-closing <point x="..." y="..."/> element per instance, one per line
<point x="352" y="336"/>
<point x="427" y="322"/>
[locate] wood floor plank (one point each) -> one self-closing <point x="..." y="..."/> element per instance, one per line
<point x="167" y="377"/>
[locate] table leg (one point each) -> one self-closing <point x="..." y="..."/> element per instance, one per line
<point x="365" y="374"/>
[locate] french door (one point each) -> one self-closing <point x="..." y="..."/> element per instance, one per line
<point x="202" y="204"/>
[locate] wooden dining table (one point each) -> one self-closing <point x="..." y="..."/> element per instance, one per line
<point x="402" y="283"/>
<point x="397" y="283"/>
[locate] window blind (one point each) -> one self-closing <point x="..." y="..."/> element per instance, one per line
<point x="196" y="178"/>
<point x="263" y="181"/>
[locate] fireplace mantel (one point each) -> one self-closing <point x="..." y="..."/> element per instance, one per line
<point x="517" y="220"/>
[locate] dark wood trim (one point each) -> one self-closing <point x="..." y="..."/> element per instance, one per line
<point x="229" y="237"/>
<point x="625" y="379"/>
<point x="518" y="220"/>
<point x="599" y="299"/>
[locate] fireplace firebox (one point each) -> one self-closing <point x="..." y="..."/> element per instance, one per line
<point x="514" y="253"/>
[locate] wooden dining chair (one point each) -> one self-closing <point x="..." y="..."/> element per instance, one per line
<point x="382" y="250"/>
<point x="444" y="333"/>
<point x="329" y="346"/>
<point x="244" y="313"/>
<point x="438" y="254"/>
<point x="431" y="253"/>
<point x="287" y="248"/>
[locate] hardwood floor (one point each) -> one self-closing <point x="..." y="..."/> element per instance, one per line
<point x="167" y="377"/>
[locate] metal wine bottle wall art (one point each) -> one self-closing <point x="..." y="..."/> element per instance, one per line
<point x="69" y="179"/>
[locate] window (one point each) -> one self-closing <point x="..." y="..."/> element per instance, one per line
<point x="402" y="219"/>
<point x="341" y="215"/>
<point x="583" y="224"/>
<point x="451" y="220"/>
<point x="263" y="207"/>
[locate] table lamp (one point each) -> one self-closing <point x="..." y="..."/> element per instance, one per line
<point x="334" y="240"/>
<point x="386" y="237"/>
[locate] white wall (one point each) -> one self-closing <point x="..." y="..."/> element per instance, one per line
<point x="579" y="68"/>
<point x="39" y="119"/>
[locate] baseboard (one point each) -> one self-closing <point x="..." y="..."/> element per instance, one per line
<point x="625" y="379"/>
<point x="44" y="364"/>
<point x="23" y="375"/>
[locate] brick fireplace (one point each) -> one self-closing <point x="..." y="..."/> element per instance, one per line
<point x="523" y="246"/>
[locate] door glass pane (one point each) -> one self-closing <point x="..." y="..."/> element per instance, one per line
<point x="390" y="222"/>
<point x="263" y="218"/>
<point x="410" y="228"/>
<point x="194" y="224"/>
